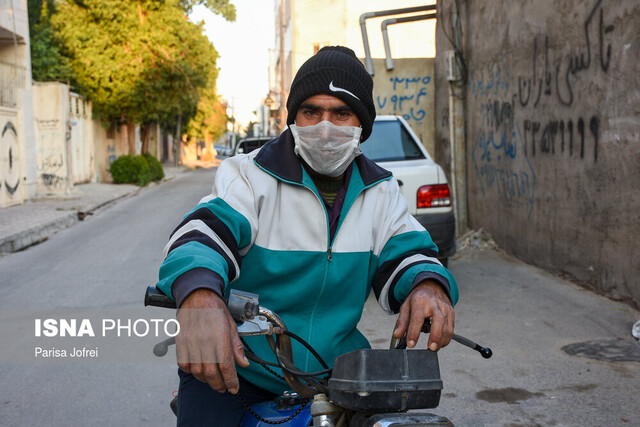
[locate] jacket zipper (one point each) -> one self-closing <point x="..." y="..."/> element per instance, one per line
<point x="326" y="216"/>
<point x="330" y="243"/>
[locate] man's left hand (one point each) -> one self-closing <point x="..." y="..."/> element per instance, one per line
<point x="426" y="300"/>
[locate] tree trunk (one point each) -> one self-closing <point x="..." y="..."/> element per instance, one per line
<point x="178" y="141"/>
<point x="125" y="135"/>
<point x="145" y="135"/>
<point x="131" y="137"/>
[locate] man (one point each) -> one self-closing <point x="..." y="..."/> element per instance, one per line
<point x="313" y="226"/>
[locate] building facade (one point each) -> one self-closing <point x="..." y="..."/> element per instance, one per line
<point x="304" y="26"/>
<point x="552" y="147"/>
<point x="17" y="148"/>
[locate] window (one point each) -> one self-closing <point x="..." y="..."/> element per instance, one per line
<point x="390" y="141"/>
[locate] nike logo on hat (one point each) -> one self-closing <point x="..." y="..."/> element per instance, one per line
<point x="332" y="88"/>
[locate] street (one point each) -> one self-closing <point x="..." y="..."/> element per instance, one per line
<point x="104" y="262"/>
<point x="526" y="315"/>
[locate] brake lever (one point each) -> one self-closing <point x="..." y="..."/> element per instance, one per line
<point x="256" y="326"/>
<point x="401" y="343"/>
<point x="245" y="310"/>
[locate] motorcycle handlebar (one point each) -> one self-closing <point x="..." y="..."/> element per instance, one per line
<point x="155" y="297"/>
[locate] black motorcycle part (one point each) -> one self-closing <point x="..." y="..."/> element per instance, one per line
<point x="386" y="380"/>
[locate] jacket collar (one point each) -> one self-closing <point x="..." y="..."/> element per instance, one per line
<point x="278" y="158"/>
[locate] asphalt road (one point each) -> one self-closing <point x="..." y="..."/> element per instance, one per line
<point x="102" y="263"/>
<point x="528" y="317"/>
<point x="525" y="315"/>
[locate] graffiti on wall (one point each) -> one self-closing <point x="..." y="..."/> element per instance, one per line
<point x="516" y="131"/>
<point x="557" y="82"/>
<point x="499" y="155"/>
<point x="407" y="98"/>
<point x="51" y="170"/>
<point x="51" y="166"/>
<point x="494" y="82"/>
<point x="111" y="151"/>
<point x="10" y="159"/>
<point x="444" y="118"/>
<point x="563" y="136"/>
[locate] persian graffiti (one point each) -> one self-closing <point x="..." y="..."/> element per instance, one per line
<point x="520" y="125"/>
<point x="499" y="155"/>
<point x="558" y="82"/>
<point x="407" y="98"/>
<point x="562" y="136"/>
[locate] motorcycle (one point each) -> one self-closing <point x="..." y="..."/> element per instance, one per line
<point x="365" y="388"/>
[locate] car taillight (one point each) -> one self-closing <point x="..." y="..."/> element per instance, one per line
<point x="434" y="196"/>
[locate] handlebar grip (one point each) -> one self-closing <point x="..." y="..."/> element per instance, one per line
<point x="155" y="297"/>
<point x="162" y="347"/>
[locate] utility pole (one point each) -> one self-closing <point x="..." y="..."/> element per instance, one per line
<point x="456" y="77"/>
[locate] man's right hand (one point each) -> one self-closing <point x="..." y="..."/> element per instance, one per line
<point x="208" y="345"/>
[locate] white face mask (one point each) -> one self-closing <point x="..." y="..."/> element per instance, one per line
<point x="327" y="148"/>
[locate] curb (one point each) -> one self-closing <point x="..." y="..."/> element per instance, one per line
<point x="63" y="219"/>
<point x="38" y="234"/>
<point x="42" y="232"/>
<point x="83" y="213"/>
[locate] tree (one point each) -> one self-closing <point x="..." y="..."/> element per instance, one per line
<point x="137" y="60"/>
<point x="251" y="128"/>
<point x="210" y="120"/>
<point x="47" y="62"/>
<point x="221" y="7"/>
<point x="179" y="72"/>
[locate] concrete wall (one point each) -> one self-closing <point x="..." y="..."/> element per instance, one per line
<point x="408" y="91"/>
<point x="51" y="112"/>
<point x="408" y="40"/>
<point x="73" y="147"/>
<point x="17" y="154"/>
<point x="311" y="24"/>
<point x="553" y="143"/>
<point x="16" y="20"/>
<point x="81" y="134"/>
<point x="109" y="145"/>
<point x="340" y="24"/>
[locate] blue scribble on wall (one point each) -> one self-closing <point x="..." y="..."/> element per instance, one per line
<point x="499" y="156"/>
<point x="495" y="81"/>
<point x="403" y="103"/>
<point x="111" y="150"/>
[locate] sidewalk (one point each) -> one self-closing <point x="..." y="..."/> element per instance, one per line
<point x="36" y="220"/>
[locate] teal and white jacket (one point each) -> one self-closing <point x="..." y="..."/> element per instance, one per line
<point x="264" y="229"/>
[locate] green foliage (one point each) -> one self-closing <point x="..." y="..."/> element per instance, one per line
<point x="139" y="170"/>
<point x="210" y="120"/>
<point x="173" y="82"/>
<point x="250" y="128"/>
<point x="220" y="7"/>
<point x="155" y="167"/>
<point x="137" y="61"/>
<point x="129" y="169"/>
<point x="47" y="62"/>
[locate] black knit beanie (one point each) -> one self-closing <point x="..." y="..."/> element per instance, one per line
<point x="336" y="71"/>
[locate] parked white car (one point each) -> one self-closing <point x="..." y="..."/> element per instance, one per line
<point x="247" y="145"/>
<point x="394" y="146"/>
